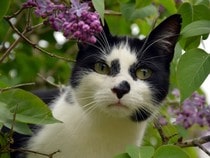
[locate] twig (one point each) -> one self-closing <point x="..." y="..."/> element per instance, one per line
<point x="14" y="44"/>
<point x="11" y="132"/>
<point x="35" y="45"/>
<point x="161" y="133"/>
<point x="51" y="83"/>
<point x="197" y="142"/>
<point x="16" y="86"/>
<point x="193" y="142"/>
<point x="111" y="12"/>
<point x="14" y="14"/>
<point x="35" y="152"/>
<point x="203" y="149"/>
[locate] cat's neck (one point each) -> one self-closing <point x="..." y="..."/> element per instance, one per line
<point x="95" y="119"/>
<point x="98" y="129"/>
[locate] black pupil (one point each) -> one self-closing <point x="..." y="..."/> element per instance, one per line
<point x="144" y="71"/>
<point x="103" y="67"/>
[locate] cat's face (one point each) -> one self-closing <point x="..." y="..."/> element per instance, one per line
<point x="126" y="77"/>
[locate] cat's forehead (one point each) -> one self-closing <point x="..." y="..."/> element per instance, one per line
<point x="123" y="54"/>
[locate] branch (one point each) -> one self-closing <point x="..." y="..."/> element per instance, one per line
<point x="35" y="45"/>
<point x="38" y="153"/>
<point x="111" y="12"/>
<point x="15" y="14"/>
<point x="49" y="82"/>
<point x="27" y="29"/>
<point x="16" y="86"/>
<point x="193" y="142"/>
<point x="161" y="133"/>
<point x="14" y="44"/>
<point x="197" y="142"/>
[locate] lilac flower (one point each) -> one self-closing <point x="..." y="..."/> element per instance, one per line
<point x="192" y="111"/>
<point x="75" y="21"/>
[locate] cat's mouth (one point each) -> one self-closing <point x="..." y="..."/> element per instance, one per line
<point x="118" y="105"/>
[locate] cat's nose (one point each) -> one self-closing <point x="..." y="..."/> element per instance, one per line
<point x="122" y="89"/>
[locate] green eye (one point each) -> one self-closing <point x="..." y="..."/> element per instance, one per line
<point x="101" y="68"/>
<point x="143" y="73"/>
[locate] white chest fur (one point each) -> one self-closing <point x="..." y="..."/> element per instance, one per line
<point x="82" y="135"/>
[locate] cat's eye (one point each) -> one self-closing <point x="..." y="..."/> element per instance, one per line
<point x="102" y="68"/>
<point x="143" y="73"/>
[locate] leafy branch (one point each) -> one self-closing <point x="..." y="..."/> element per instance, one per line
<point x="28" y="28"/>
<point x="196" y="142"/>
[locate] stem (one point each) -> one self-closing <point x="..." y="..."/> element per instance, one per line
<point x="161" y="133"/>
<point x="111" y="12"/>
<point x="35" y="45"/>
<point x="51" y="83"/>
<point x="16" y="86"/>
<point x="14" y="14"/>
<point x="197" y="142"/>
<point x="14" y="44"/>
<point x="35" y="152"/>
<point x="193" y="142"/>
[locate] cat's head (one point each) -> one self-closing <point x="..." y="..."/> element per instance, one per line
<point x="123" y="76"/>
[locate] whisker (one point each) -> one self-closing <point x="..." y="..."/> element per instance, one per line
<point x="158" y="40"/>
<point x="85" y="98"/>
<point x="155" y="57"/>
<point x="88" y="108"/>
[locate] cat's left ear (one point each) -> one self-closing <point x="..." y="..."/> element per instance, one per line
<point x="166" y="34"/>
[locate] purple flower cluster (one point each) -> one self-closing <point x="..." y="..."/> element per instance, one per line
<point x="192" y="111"/>
<point x="75" y="21"/>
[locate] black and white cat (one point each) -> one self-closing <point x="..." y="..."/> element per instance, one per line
<point x="117" y="85"/>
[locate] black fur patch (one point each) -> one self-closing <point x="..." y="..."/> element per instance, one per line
<point x="69" y="97"/>
<point x="140" y="115"/>
<point x="115" y="67"/>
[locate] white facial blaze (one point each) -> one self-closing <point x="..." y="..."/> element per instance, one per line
<point x="124" y="55"/>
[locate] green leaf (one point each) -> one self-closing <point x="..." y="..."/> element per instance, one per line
<point x="200" y="12"/>
<point x="182" y="131"/>
<point x="192" y="70"/>
<point x="27" y="107"/>
<point x="124" y="155"/>
<point x="170" y="151"/>
<point x="169" y="5"/>
<point x="186" y="10"/>
<point x="190" y="43"/>
<point x="146" y="152"/>
<point x="133" y="151"/>
<point x="142" y="3"/>
<point x="140" y="152"/>
<point x="196" y="28"/>
<point x="19" y="127"/>
<point x="130" y="12"/>
<point x="4" y="8"/>
<point x="1" y="125"/>
<point x="192" y="13"/>
<point x="99" y="7"/>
